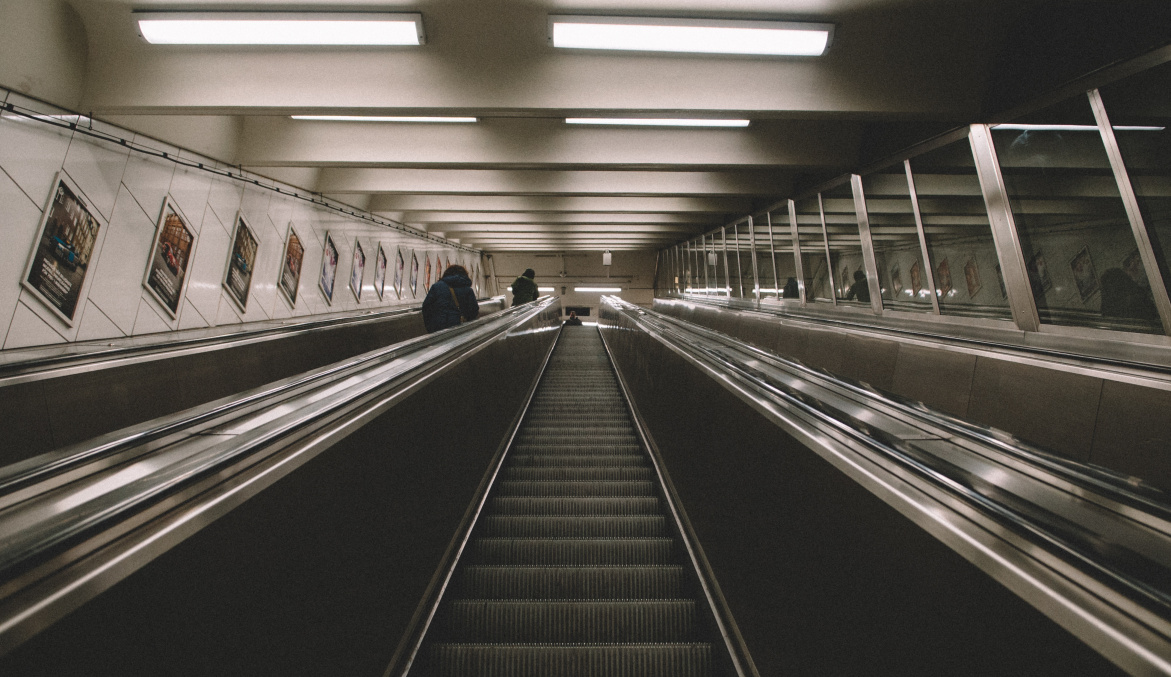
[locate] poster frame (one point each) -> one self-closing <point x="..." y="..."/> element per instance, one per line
<point x="414" y="274"/>
<point x="169" y="201"/>
<point x="291" y="300"/>
<point x="400" y="263"/>
<point x="242" y="304"/>
<point x="357" y="268"/>
<point x="326" y="247"/>
<point x="380" y="265"/>
<point x="64" y="179"/>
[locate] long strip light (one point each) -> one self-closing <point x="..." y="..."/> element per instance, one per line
<point x="700" y="36"/>
<point x="380" y="118"/>
<point x="597" y="290"/>
<point x="658" y="122"/>
<point x="280" y="28"/>
<point x="1075" y="128"/>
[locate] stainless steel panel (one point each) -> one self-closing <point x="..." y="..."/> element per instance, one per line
<point x="867" y="244"/>
<point x="938" y="378"/>
<point x="797" y="253"/>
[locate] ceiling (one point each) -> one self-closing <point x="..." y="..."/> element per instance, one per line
<point x="520" y="179"/>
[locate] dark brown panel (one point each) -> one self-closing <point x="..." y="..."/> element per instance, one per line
<point x="938" y="378"/>
<point x="1134" y="432"/>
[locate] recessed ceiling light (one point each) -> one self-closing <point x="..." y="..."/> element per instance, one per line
<point x="280" y="28"/>
<point x="602" y="290"/>
<point x="770" y="38"/>
<point x="379" y="118"/>
<point x="658" y="122"/>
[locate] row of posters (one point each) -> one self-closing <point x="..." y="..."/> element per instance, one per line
<point x="70" y="229"/>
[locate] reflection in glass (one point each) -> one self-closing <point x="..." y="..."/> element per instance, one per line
<point x="818" y="280"/>
<point x="896" y="243"/>
<point x="1139" y="108"/>
<point x="1074" y="232"/>
<point x="736" y="266"/>
<point x="786" y="266"/>
<point x="764" y="258"/>
<point x="845" y="246"/>
<point x="959" y="237"/>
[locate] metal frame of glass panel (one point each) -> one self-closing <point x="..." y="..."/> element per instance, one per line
<point x="800" y="269"/>
<point x="772" y="249"/>
<point x="868" y="259"/>
<point x="755" y="268"/>
<point x="927" y="262"/>
<point x="825" y="241"/>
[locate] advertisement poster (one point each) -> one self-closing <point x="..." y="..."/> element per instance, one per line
<point x="398" y="272"/>
<point x="291" y="268"/>
<point x="60" y="262"/>
<point x="328" y="268"/>
<point x="1084" y="274"/>
<point x="414" y="274"/>
<point x="357" y="269"/>
<point x="238" y="281"/>
<point x="380" y="272"/>
<point x="169" y="258"/>
<point x="896" y="279"/>
<point x="916" y="279"/>
<point x="972" y="277"/>
<point x="427" y="271"/>
<point x="943" y="277"/>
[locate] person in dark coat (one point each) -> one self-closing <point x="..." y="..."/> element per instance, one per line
<point x="1122" y="297"/>
<point x="450" y="300"/>
<point x="573" y="320"/>
<point x="524" y="288"/>
<point x="860" y="289"/>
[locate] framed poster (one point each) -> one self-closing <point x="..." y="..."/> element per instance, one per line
<point x="328" y="268"/>
<point x="380" y="272"/>
<point x="414" y="274"/>
<point x="241" y="261"/>
<point x="972" y="277"/>
<point x="943" y="277"/>
<point x="427" y="271"/>
<point x="1039" y="273"/>
<point x="170" y="255"/>
<point x="57" y="271"/>
<point x="1084" y="274"/>
<point x="399" y="264"/>
<point x="896" y="279"/>
<point x="291" y="268"/>
<point x="357" y="270"/>
<point x="916" y="279"/>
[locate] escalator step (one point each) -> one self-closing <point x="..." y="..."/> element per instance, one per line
<point x="545" y="621"/>
<point x="548" y="505"/>
<point x="622" y="660"/>
<point x="577" y="448"/>
<point x="581" y="488"/>
<point x="544" y="526"/>
<point x="612" y="473"/>
<point x="572" y="460"/>
<point x="571" y="551"/>
<point x="547" y="582"/>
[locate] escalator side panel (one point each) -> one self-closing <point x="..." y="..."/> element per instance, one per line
<point x="822" y="576"/>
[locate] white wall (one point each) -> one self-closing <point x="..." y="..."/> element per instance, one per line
<point x="633" y="271"/>
<point x="128" y="189"/>
<point x="43" y="50"/>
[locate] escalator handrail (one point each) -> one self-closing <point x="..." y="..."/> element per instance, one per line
<point x="29" y="535"/>
<point x="104" y="355"/>
<point x="1051" y="354"/>
<point x="1033" y="531"/>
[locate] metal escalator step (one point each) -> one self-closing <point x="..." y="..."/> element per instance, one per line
<point x="544" y="526"/>
<point x="571" y="621"/>
<point x="576" y="460"/>
<point x="555" y="505"/>
<point x="603" y="473"/>
<point x="558" y="439"/>
<point x="571" y="488"/>
<point x="578" y="448"/>
<point x="571" y="551"/>
<point x="540" y="660"/>
<point x="551" y="582"/>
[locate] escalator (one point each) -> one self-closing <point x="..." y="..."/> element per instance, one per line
<point x="573" y="567"/>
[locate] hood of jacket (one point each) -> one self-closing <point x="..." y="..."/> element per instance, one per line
<point x="457" y="280"/>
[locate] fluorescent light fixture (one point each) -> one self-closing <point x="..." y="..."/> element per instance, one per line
<point x="597" y="290"/>
<point x="280" y="28"/>
<point x="770" y="38"/>
<point x="542" y="288"/>
<point x="658" y="122"/>
<point x="1075" y="128"/>
<point x="380" y="118"/>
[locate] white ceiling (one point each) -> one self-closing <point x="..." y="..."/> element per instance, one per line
<point x="520" y="179"/>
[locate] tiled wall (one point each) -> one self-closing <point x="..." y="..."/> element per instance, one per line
<point x="128" y="189"/>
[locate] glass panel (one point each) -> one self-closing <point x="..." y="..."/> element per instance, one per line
<point x="813" y="262"/>
<point x="764" y="258"/>
<point x="959" y="237"/>
<point x="786" y="264"/>
<point x="711" y="261"/>
<point x="1143" y="101"/>
<point x="735" y="266"/>
<point x="1073" y="228"/>
<point x="896" y="243"/>
<point x="845" y="246"/>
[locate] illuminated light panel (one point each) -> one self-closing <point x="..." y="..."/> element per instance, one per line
<point x="539" y="289"/>
<point x="658" y="122"/>
<point x="280" y="28"/>
<point x="379" y="118"/>
<point x="698" y="36"/>
<point x="1075" y="128"/>
<point x="597" y="290"/>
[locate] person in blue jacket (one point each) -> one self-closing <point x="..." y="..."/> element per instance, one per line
<point x="450" y="300"/>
